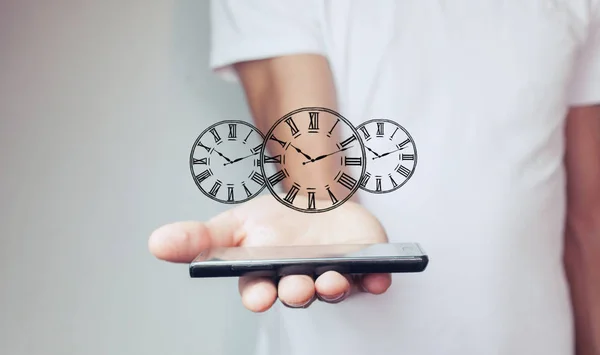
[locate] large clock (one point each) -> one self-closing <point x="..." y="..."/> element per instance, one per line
<point x="308" y="142"/>
<point x="391" y="155"/>
<point x="225" y="162"/>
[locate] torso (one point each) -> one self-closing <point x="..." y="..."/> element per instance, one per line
<point x="482" y="88"/>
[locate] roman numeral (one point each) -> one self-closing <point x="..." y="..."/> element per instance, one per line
<point x="215" y="188"/>
<point x="291" y="195"/>
<point x="272" y="160"/>
<point x="278" y="141"/>
<point x="333" y="127"/>
<point x="348" y="141"/>
<point x="378" y="183"/>
<point x="257" y="178"/>
<point x="311" y="200"/>
<point x="256" y="149"/>
<point x="408" y="157"/>
<point x="201" y="161"/>
<point x="313" y="124"/>
<point x="248" y="193"/>
<point x="204" y="175"/>
<point x="365" y="179"/>
<point x="277" y="177"/>
<point x="392" y="136"/>
<point x="365" y="132"/>
<point x="292" y="125"/>
<point x="257" y="162"/>
<point x="403" y="143"/>
<point x="245" y="139"/>
<point x="229" y="193"/>
<point x="352" y="161"/>
<point x="332" y="197"/>
<point x="347" y="181"/>
<point x="203" y="146"/>
<point x="402" y="170"/>
<point x="215" y="135"/>
<point x="379" y="129"/>
<point x="392" y="180"/>
<point x="232" y="131"/>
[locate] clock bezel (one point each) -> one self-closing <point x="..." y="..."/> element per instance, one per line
<point x="412" y="141"/>
<point x="354" y="131"/>
<point x="195" y="145"/>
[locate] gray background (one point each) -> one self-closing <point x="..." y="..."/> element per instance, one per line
<point x="100" y="102"/>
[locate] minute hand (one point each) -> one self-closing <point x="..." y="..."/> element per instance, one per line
<point x="242" y="158"/>
<point x="388" y="153"/>
<point x="325" y="156"/>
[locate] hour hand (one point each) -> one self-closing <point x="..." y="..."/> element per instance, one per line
<point x="371" y="150"/>
<point x="221" y="154"/>
<point x="301" y="152"/>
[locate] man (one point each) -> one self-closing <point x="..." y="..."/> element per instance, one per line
<point x="497" y="95"/>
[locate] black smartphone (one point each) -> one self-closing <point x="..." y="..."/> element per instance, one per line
<point x="278" y="261"/>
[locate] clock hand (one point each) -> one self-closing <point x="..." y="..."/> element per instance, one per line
<point x="221" y="154"/>
<point x="388" y="153"/>
<point x="325" y="155"/>
<point x="238" y="159"/>
<point x="301" y="152"/>
<point x="371" y="150"/>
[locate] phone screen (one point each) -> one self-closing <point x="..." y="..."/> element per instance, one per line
<point x="311" y="252"/>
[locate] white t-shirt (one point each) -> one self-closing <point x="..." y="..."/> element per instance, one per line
<point x="483" y="87"/>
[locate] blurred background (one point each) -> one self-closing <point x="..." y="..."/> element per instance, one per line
<point x="100" y="103"/>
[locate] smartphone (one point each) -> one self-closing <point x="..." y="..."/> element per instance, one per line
<point x="278" y="261"/>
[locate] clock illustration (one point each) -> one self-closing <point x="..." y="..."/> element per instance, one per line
<point x="220" y="153"/>
<point x="304" y="144"/>
<point x="391" y="155"/>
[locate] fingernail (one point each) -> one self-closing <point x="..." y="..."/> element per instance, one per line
<point x="335" y="298"/>
<point x="301" y="305"/>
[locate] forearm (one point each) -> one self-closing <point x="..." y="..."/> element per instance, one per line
<point x="277" y="86"/>
<point x="582" y="263"/>
<point x="582" y="240"/>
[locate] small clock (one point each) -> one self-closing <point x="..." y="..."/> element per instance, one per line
<point x="218" y="156"/>
<point x="295" y="156"/>
<point x="391" y="155"/>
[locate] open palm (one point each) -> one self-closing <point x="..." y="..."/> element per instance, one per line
<point x="265" y="222"/>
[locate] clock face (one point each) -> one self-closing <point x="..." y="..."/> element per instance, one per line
<point x="301" y="146"/>
<point x="391" y="155"/>
<point x="220" y="153"/>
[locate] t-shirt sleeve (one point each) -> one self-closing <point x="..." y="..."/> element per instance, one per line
<point x="585" y="89"/>
<point x="243" y="30"/>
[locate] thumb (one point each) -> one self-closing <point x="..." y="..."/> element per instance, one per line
<point x="181" y="242"/>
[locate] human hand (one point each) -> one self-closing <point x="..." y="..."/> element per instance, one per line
<point x="265" y="222"/>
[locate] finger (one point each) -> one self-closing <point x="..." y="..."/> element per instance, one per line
<point x="296" y="291"/>
<point x="375" y="283"/>
<point x="182" y="241"/>
<point x="332" y="287"/>
<point x="258" y="293"/>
